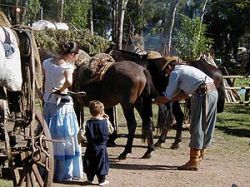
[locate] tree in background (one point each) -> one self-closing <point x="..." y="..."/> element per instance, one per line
<point x="77" y="13"/>
<point x="227" y="21"/>
<point x="191" y="41"/>
<point x="173" y="8"/>
<point x="51" y="9"/>
<point x="33" y="8"/>
<point x="228" y="24"/>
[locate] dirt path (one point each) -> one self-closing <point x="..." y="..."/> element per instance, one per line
<point x="226" y="163"/>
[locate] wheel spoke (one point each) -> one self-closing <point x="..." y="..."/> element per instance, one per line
<point x="37" y="175"/>
<point x="28" y="179"/>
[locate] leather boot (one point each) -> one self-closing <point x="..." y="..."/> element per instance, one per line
<point x="193" y="162"/>
<point x="202" y="154"/>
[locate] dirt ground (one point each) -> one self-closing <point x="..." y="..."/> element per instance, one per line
<point x="226" y="164"/>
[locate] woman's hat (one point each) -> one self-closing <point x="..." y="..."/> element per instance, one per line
<point x="169" y="59"/>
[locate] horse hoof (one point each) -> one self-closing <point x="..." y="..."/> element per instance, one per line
<point x="146" y="156"/>
<point x="122" y="157"/>
<point x="175" y="146"/>
<point x="157" y="145"/>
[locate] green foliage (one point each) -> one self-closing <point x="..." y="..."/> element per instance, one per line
<point x="33" y="10"/>
<point x="190" y="39"/>
<point x="50" y="39"/>
<point x="142" y="13"/>
<point x="77" y="12"/>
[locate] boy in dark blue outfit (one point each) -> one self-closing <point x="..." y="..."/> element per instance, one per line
<point x="97" y="129"/>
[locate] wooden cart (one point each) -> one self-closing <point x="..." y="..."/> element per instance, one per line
<point x="26" y="148"/>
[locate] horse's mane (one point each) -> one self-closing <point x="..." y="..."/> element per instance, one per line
<point x="3" y="20"/>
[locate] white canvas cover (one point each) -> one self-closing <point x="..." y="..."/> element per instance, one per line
<point x="44" y="24"/>
<point x="10" y="61"/>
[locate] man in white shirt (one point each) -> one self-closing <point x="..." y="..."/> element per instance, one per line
<point x="185" y="81"/>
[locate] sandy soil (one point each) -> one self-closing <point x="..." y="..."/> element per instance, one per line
<point x="226" y="164"/>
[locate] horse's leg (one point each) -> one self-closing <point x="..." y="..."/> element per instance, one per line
<point x="131" y="123"/>
<point x="113" y="136"/>
<point x="179" y="117"/>
<point x="164" y="122"/>
<point x="145" y="111"/>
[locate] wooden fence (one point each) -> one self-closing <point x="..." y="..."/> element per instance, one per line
<point x="233" y="92"/>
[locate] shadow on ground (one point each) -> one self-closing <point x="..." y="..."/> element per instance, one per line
<point x="116" y="165"/>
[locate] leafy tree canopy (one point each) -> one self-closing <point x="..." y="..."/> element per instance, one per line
<point x="191" y="41"/>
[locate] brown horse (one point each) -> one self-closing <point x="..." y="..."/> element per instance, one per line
<point x="130" y="85"/>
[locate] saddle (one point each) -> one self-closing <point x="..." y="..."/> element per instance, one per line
<point x="95" y="68"/>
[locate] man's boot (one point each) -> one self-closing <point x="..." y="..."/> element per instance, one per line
<point x="194" y="161"/>
<point x="202" y="154"/>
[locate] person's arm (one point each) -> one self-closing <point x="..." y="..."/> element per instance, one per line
<point x="182" y="95"/>
<point x="163" y="99"/>
<point x="110" y="127"/>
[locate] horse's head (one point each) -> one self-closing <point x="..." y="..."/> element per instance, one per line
<point x="155" y="62"/>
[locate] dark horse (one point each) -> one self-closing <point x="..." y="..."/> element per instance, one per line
<point x="130" y="85"/>
<point x="160" y="83"/>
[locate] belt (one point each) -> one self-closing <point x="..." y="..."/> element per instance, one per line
<point x="204" y="88"/>
<point x="210" y="87"/>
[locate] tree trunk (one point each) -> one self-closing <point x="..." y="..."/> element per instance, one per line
<point x="91" y="19"/>
<point x="173" y="7"/>
<point x="61" y="13"/>
<point x="115" y="10"/>
<point x="123" y="5"/>
<point x="202" y="17"/>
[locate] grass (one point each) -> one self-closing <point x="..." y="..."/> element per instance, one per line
<point x="5" y="183"/>
<point x="235" y="121"/>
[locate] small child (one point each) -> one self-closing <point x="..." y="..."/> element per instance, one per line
<point x="97" y="129"/>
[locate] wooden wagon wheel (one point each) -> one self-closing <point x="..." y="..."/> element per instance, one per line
<point x="37" y="168"/>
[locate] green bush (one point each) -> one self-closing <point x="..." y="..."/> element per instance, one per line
<point x="91" y="44"/>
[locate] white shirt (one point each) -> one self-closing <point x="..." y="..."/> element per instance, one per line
<point x="54" y="78"/>
<point x="186" y="78"/>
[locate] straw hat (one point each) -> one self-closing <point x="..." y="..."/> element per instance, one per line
<point x="153" y="55"/>
<point x="169" y="59"/>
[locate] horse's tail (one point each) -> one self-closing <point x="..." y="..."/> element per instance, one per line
<point x="221" y="97"/>
<point x="218" y="80"/>
<point x="148" y="93"/>
<point x="150" y="89"/>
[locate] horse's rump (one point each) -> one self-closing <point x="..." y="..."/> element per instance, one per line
<point x="216" y="75"/>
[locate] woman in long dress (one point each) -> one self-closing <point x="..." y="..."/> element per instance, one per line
<point x="60" y="115"/>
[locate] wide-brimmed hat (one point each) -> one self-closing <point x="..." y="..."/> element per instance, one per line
<point x="169" y="59"/>
<point x="153" y="55"/>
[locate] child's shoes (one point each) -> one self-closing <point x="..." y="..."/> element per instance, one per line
<point x="104" y="183"/>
